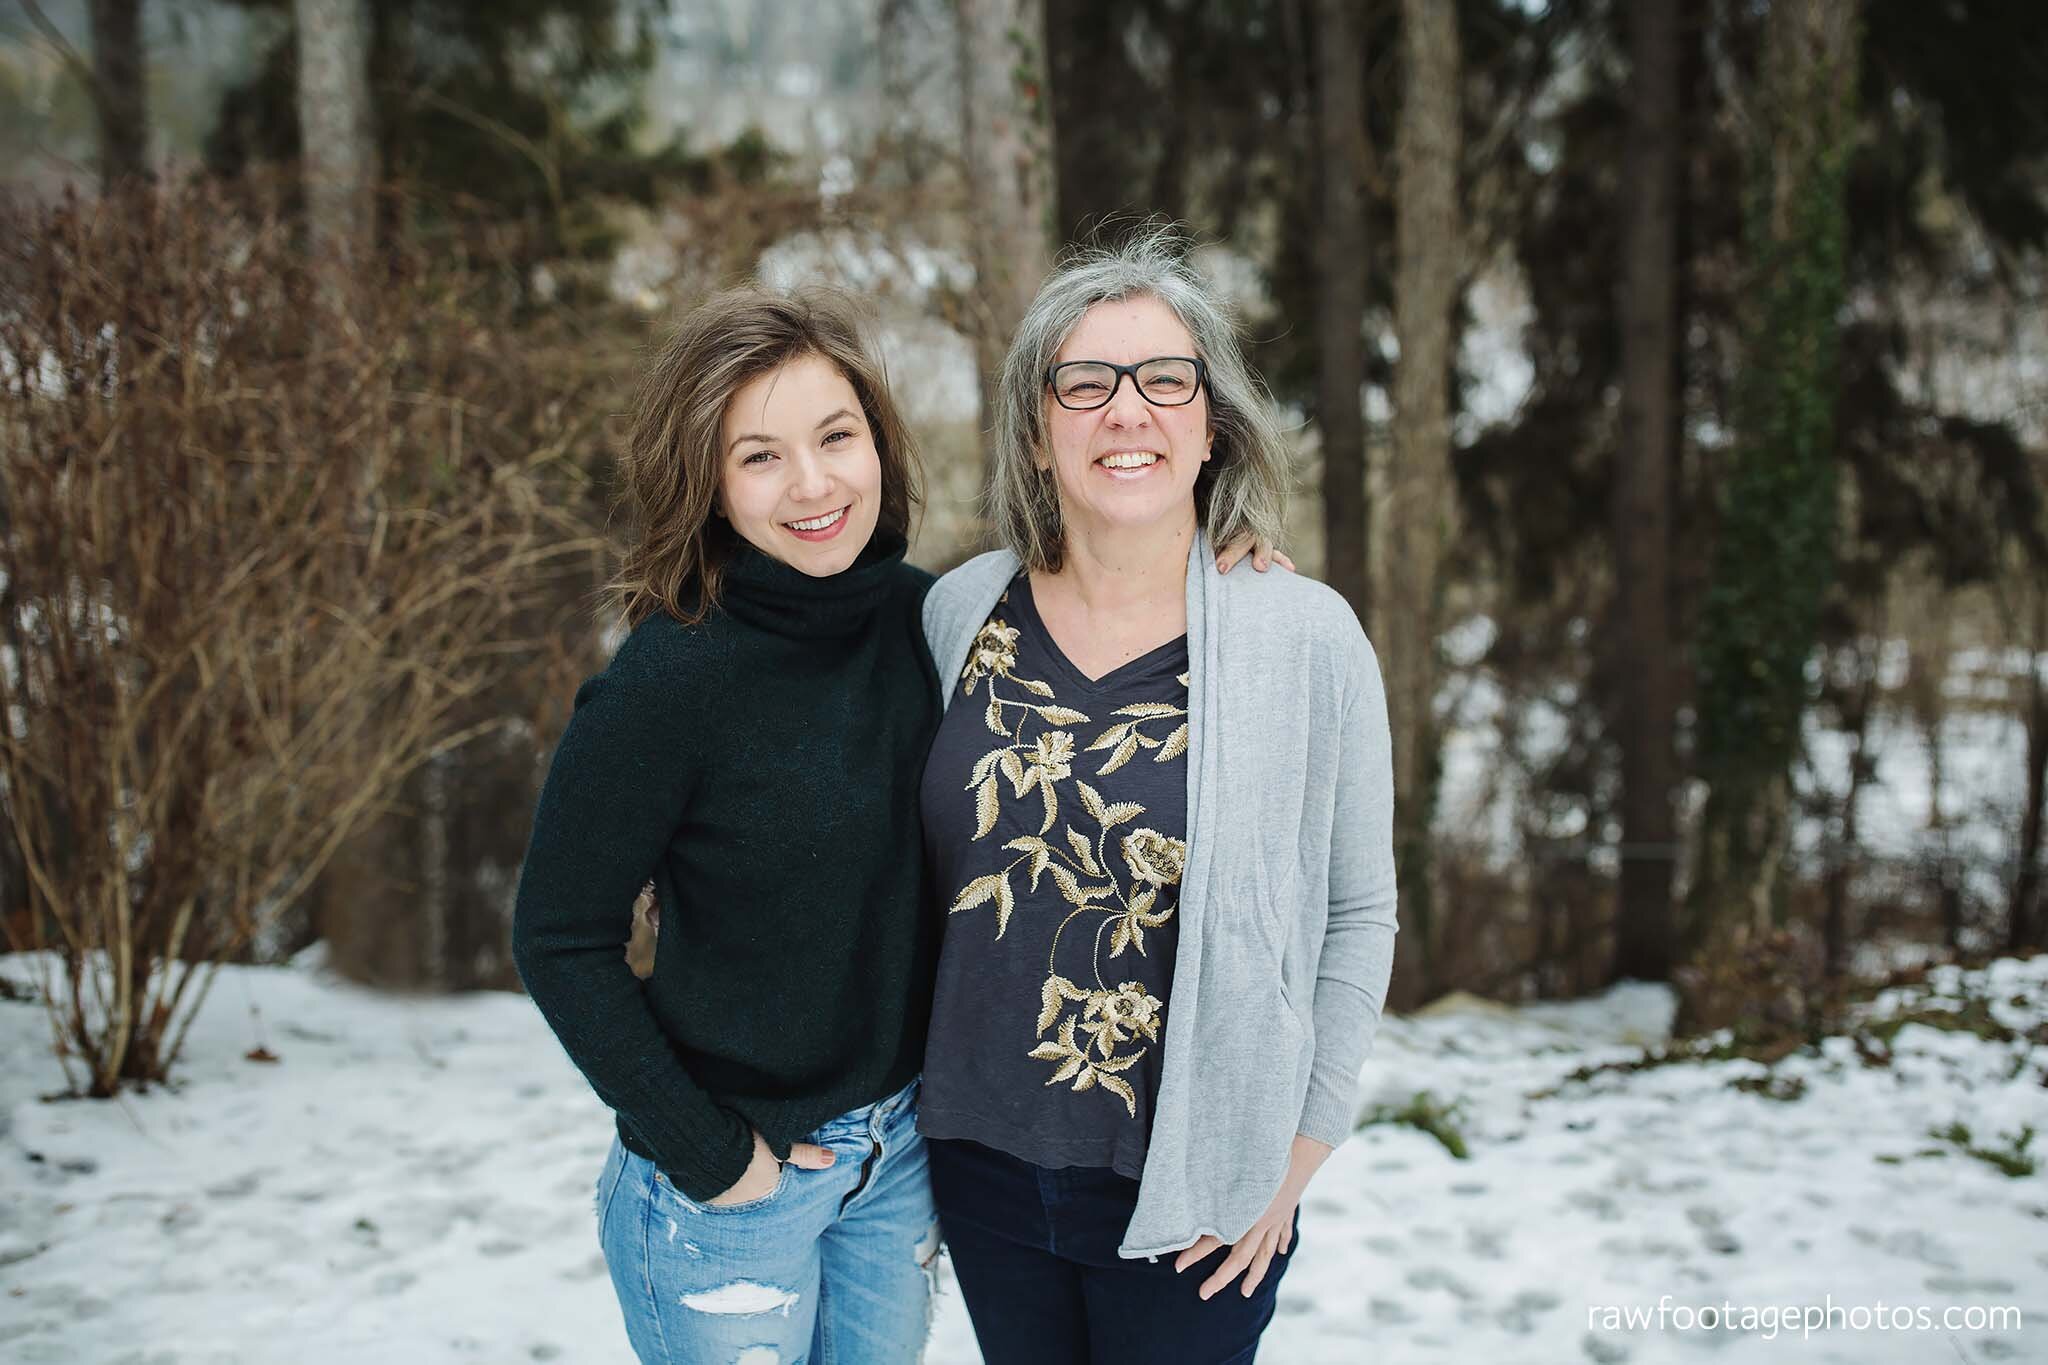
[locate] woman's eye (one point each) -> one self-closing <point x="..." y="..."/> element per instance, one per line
<point x="838" y="435"/>
<point x="757" y="456"/>
<point x="1085" y="386"/>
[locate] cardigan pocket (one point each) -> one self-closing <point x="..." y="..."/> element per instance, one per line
<point x="1266" y="912"/>
<point x="1244" y="959"/>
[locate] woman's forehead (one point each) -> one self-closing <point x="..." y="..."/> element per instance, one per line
<point x="1125" y="330"/>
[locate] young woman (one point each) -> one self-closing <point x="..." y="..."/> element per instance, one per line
<point x="1159" y="815"/>
<point x="754" y="749"/>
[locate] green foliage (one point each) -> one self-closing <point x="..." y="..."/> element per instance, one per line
<point x="1775" y="555"/>
<point x="1774" y="559"/>
<point x="1427" y="1114"/>
<point x="2009" y="1158"/>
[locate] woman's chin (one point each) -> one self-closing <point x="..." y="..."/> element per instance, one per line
<point x="1137" y="515"/>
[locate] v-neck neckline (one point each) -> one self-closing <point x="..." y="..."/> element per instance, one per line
<point x="1027" y="607"/>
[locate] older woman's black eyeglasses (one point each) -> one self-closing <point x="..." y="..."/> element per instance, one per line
<point x="1168" y="381"/>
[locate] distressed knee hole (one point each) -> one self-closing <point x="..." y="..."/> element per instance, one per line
<point x="744" y="1298"/>
<point x="758" y="1355"/>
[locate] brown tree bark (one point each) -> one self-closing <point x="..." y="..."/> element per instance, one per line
<point x="1006" y="127"/>
<point x="1641" y="506"/>
<point x="2025" y="926"/>
<point x="1858" y="709"/>
<point x="1344" y="162"/>
<point x="1416" y="528"/>
<point x="119" y="92"/>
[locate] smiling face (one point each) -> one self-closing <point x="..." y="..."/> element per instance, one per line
<point x="1128" y="464"/>
<point x="801" y="479"/>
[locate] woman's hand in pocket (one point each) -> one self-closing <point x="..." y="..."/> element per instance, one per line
<point x="764" y="1172"/>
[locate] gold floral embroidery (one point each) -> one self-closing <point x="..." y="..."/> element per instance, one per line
<point x="993" y="655"/>
<point x="1079" y="867"/>
<point x="1153" y="857"/>
<point x="1040" y="765"/>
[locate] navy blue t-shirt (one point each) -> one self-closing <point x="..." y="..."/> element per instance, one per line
<point x="1055" y="815"/>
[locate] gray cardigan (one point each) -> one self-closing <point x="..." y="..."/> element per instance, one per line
<point x="1287" y="903"/>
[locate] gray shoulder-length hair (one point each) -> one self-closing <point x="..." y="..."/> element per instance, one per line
<point x="1242" y="490"/>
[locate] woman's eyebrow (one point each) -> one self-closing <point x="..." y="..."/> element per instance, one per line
<point x="842" y="415"/>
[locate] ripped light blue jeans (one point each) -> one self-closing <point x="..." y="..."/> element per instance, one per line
<point x="831" y="1267"/>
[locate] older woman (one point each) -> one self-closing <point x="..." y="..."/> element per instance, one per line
<point x="1159" y="813"/>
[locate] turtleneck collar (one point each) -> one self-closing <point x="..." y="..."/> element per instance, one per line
<point x="762" y="591"/>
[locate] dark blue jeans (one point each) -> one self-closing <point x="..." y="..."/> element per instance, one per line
<point x="1034" y="1250"/>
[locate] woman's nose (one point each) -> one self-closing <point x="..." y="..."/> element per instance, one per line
<point x="810" y="479"/>
<point x="1127" y="407"/>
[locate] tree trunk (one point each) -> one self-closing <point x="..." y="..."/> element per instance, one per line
<point x="1641" y="505"/>
<point x="1841" y="856"/>
<point x="2024" y="926"/>
<point x="1419" y="506"/>
<point x="119" y="94"/>
<point x="337" y="143"/>
<point x="1006" y="127"/>
<point x="1096" y="169"/>
<point x="1775" y="556"/>
<point x="1341" y="138"/>
<point x="914" y="57"/>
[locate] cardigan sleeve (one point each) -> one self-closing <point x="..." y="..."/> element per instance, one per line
<point x="1358" y="946"/>
<point x="615" y="793"/>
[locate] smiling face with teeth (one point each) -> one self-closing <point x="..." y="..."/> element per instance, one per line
<point x="801" y="480"/>
<point x="1129" y="464"/>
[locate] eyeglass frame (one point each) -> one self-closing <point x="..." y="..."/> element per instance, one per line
<point x="1201" y="381"/>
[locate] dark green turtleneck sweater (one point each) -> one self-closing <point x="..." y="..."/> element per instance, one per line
<point x="762" y="767"/>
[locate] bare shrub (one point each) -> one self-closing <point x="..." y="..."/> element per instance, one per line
<point x="256" y="558"/>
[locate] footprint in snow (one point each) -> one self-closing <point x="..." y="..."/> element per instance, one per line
<point x="1960" y="1284"/>
<point x="1431" y="1277"/>
<point x="591" y="1269"/>
<point x="1522" y="1311"/>
<point x="240" y="1187"/>
<point x="1485" y="1243"/>
<point x="1603" y="1352"/>
<point x="1601" y="1206"/>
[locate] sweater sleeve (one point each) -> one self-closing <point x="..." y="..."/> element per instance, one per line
<point x="614" y="796"/>
<point x="1358" y="946"/>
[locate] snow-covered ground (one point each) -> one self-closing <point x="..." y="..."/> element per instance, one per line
<point x="411" y="1181"/>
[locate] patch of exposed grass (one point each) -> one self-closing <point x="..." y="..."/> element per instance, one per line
<point x="2010" y="1158"/>
<point x="1772" y="1086"/>
<point x="1425" y="1112"/>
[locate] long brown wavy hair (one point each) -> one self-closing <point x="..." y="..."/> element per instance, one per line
<point x="674" y="459"/>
